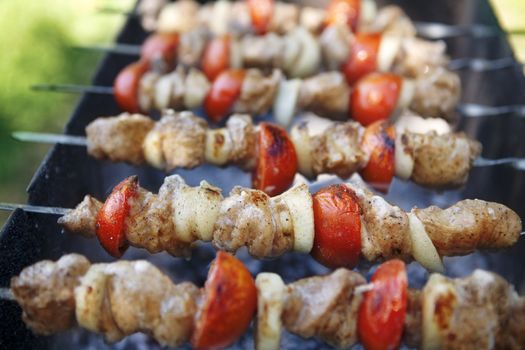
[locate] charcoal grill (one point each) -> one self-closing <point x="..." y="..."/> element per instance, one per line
<point x="67" y="173"/>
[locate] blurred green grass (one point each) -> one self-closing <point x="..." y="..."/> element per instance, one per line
<point x="35" y="44"/>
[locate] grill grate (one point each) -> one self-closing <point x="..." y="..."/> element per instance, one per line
<point x="67" y="173"/>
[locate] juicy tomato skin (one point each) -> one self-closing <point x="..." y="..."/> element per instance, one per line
<point x="337" y="241"/>
<point x="224" y="91"/>
<point x="363" y="57"/>
<point x="379" y="143"/>
<point x="382" y="311"/>
<point x="126" y="86"/>
<point x="161" y="45"/>
<point x="216" y="57"/>
<point x="344" y="12"/>
<point x="110" y="222"/>
<point x="374" y="97"/>
<point x="261" y="12"/>
<point x="229" y="304"/>
<point x="276" y="160"/>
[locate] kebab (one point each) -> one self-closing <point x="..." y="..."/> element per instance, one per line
<point x="121" y="298"/>
<point x="269" y="16"/>
<point x="338" y="225"/>
<point x="314" y="146"/>
<point x="375" y="96"/>
<point x="298" y="54"/>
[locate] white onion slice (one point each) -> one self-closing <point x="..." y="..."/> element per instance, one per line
<point x="404" y="161"/>
<point x="218" y="146"/>
<point x="388" y="49"/>
<point x="221" y="17"/>
<point x="368" y="12"/>
<point x="408" y="89"/>
<point x="299" y="202"/>
<point x="285" y="103"/>
<point x="417" y="124"/>
<point x="437" y="287"/>
<point x="235" y="53"/>
<point x="152" y="148"/>
<point x="309" y="58"/>
<point x="163" y="89"/>
<point x="423" y="250"/>
<point x="301" y="140"/>
<point x="270" y="300"/>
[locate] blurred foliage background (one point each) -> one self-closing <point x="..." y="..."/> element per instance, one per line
<point x="36" y="47"/>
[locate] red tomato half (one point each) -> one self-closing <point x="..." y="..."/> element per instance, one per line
<point x="110" y="224"/>
<point x="374" y="97"/>
<point x="379" y="143"/>
<point x="223" y="93"/>
<point x="363" y="57"/>
<point x="344" y="12"/>
<point x="126" y="86"/>
<point x="382" y="311"/>
<point x="337" y="241"/>
<point x="276" y="160"/>
<point x="161" y="45"/>
<point x="216" y="58"/>
<point x="230" y="301"/>
<point x="261" y="12"/>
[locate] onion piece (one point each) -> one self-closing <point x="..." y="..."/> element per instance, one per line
<point x="285" y="103"/>
<point x="404" y="159"/>
<point x="221" y="17"/>
<point x="270" y="300"/>
<point x="417" y="124"/>
<point x="408" y="89"/>
<point x="178" y="17"/>
<point x="388" y="49"/>
<point x="368" y="12"/>
<point x="423" y="250"/>
<point x="152" y="148"/>
<point x="309" y="58"/>
<point x="299" y="202"/>
<point x="437" y="290"/>
<point x="218" y="146"/>
<point x="163" y="89"/>
<point x="302" y="144"/>
<point x="235" y="53"/>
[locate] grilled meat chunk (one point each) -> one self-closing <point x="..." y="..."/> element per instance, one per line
<point x="257" y="92"/>
<point x="324" y="307"/>
<point x="45" y="291"/>
<point x="120" y="138"/>
<point x="326" y="94"/>
<point x="442" y="161"/>
<point x="82" y="219"/>
<point x="470" y="225"/>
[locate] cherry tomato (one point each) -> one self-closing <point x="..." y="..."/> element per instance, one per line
<point x="337" y="241"/>
<point x="345" y="12"/>
<point x="363" y="57"/>
<point x="379" y="143"/>
<point x="223" y="93"/>
<point x="110" y="223"/>
<point x="374" y="97"/>
<point x="161" y="46"/>
<point x="230" y="301"/>
<point x="216" y="58"/>
<point x="126" y="86"/>
<point x="382" y="311"/>
<point x="261" y="12"/>
<point x="276" y="160"/>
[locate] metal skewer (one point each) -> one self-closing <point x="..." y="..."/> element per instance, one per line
<point x="6" y="294"/>
<point x="469" y="110"/>
<point x="25" y="136"/>
<point x="464" y="63"/>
